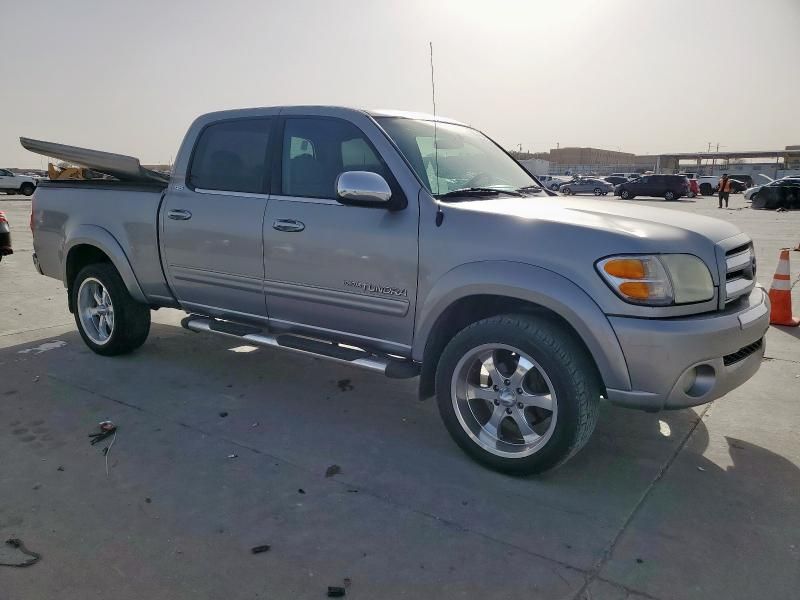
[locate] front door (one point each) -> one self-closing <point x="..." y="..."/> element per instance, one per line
<point x="343" y="272"/>
<point x="7" y="180"/>
<point x="212" y="225"/>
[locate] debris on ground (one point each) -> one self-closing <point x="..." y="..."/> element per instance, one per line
<point x="147" y="500"/>
<point x="260" y="549"/>
<point x="60" y="468"/>
<point x="700" y="469"/>
<point x="223" y="414"/>
<point x="333" y="470"/>
<point x="107" y="429"/>
<point x="335" y="591"/>
<point x="17" y="544"/>
<point x="254" y="424"/>
<point x="347" y="582"/>
<point x="301" y="491"/>
<point x="233" y="456"/>
<point x="345" y="385"/>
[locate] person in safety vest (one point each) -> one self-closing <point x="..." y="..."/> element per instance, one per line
<point x="724" y="189"/>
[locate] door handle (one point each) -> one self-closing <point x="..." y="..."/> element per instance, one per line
<point x="289" y="225"/>
<point x="179" y="214"/>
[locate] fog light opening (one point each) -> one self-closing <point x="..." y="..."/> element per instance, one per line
<point x="699" y="380"/>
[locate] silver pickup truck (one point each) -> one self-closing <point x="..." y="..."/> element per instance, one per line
<point x="411" y="246"/>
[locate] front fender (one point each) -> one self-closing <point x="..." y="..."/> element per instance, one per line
<point x="93" y="235"/>
<point x="532" y="284"/>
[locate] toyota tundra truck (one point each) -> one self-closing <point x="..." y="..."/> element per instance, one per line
<point x="413" y="246"/>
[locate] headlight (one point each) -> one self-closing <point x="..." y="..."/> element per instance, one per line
<point x="658" y="280"/>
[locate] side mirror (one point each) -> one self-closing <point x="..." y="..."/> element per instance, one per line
<point x="363" y="188"/>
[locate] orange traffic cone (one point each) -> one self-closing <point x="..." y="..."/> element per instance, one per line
<point x="780" y="294"/>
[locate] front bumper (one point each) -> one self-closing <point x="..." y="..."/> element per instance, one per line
<point x="677" y="363"/>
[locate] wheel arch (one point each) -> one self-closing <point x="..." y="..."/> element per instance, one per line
<point x="90" y="244"/>
<point x="454" y="302"/>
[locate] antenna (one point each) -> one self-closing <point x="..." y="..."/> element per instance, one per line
<point x="435" y="136"/>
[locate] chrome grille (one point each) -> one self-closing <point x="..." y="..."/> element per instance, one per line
<point x="740" y="272"/>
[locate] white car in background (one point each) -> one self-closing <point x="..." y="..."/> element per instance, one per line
<point x="752" y="191"/>
<point x="11" y="183"/>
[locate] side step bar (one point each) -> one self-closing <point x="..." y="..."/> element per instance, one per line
<point x="390" y="367"/>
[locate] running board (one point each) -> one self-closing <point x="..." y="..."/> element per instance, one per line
<point x="393" y="368"/>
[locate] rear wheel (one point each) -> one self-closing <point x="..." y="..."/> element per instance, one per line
<point x="109" y="320"/>
<point x="625" y="195"/>
<point x="566" y="191"/>
<point x="517" y="393"/>
<point x="26" y="189"/>
<point x="669" y="196"/>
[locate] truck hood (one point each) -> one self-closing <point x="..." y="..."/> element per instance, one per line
<point x="622" y="218"/>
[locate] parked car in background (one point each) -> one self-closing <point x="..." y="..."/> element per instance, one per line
<point x="741" y="182"/>
<point x="5" y="236"/>
<point x="783" y="193"/>
<point x="11" y="183"/>
<point x="586" y="185"/>
<point x="627" y="175"/>
<point x="548" y="180"/>
<point x="753" y="191"/>
<point x="669" y="187"/>
<point x="556" y="181"/>
<point x="616" y="179"/>
<point x="708" y="184"/>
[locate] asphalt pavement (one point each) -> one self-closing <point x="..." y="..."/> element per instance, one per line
<point x="221" y="448"/>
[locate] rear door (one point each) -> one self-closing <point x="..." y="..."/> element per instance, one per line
<point x="212" y="225"/>
<point x="343" y="272"/>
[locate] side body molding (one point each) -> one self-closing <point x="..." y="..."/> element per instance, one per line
<point x="93" y="235"/>
<point x="532" y="284"/>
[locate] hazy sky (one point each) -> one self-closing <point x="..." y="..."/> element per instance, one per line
<point x="641" y="76"/>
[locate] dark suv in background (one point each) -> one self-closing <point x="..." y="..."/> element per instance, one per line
<point x="669" y="187"/>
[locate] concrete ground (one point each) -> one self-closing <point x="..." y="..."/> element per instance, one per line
<point x="700" y="503"/>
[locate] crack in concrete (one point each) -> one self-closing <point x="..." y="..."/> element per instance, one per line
<point x="605" y="556"/>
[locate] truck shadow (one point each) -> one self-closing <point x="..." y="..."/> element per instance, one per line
<point x="312" y="414"/>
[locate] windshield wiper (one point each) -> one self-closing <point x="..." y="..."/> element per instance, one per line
<point x="477" y="191"/>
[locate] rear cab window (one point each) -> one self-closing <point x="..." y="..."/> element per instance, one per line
<point x="232" y="156"/>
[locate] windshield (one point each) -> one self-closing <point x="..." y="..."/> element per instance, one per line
<point x="466" y="157"/>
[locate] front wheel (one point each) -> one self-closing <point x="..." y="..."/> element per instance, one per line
<point x="597" y="191"/>
<point x="109" y="320"/>
<point x="669" y="196"/>
<point x="517" y="393"/>
<point x="625" y="195"/>
<point x="566" y="191"/>
<point x="26" y="189"/>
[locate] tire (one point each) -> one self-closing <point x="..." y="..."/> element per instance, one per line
<point x="753" y="197"/>
<point x="130" y="320"/>
<point x="566" y="191"/>
<point x="27" y="189"/>
<point x="669" y="196"/>
<point x="597" y="191"/>
<point x="489" y="425"/>
<point x="626" y="195"/>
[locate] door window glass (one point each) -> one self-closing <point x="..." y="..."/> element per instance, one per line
<point x="316" y="151"/>
<point x="232" y="156"/>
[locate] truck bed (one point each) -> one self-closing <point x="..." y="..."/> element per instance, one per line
<point x="66" y="212"/>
